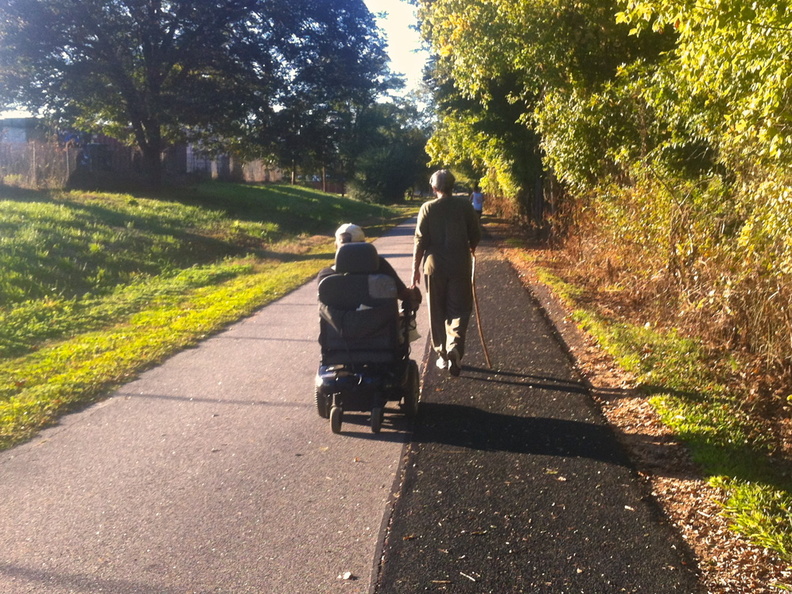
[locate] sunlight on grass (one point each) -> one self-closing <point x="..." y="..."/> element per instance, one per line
<point x="95" y="287"/>
<point x="761" y="512"/>
<point x="35" y="389"/>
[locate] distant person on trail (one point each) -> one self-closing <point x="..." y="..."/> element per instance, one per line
<point x="350" y="233"/>
<point x="446" y="236"/>
<point x="477" y="200"/>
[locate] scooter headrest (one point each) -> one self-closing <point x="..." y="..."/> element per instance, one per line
<point x="357" y="258"/>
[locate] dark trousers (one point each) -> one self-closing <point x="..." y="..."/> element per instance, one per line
<point x="450" y="305"/>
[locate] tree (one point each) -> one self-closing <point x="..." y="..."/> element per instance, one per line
<point x="154" y="71"/>
<point x="337" y="71"/>
<point x="482" y="136"/>
<point x="727" y="84"/>
<point x="729" y="78"/>
<point x="389" y="153"/>
<point x="540" y="78"/>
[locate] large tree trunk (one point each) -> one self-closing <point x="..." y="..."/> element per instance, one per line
<point x="152" y="164"/>
<point x="149" y="139"/>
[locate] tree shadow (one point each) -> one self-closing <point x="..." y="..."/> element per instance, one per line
<point x="75" y="582"/>
<point x="23" y="194"/>
<point x="472" y="428"/>
<point x="663" y="453"/>
<point x="715" y="449"/>
<point x="514" y="378"/>
<point x="401" y="232"/>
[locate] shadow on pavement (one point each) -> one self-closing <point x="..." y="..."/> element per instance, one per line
<point x="523" y="379"/>
<point x="476" y="429"/>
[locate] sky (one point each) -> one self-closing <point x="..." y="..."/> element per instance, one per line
<point x="404" y="44"/>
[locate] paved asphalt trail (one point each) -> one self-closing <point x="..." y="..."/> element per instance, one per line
<point x="211" y="473"/>
<point x="514" y="483"/>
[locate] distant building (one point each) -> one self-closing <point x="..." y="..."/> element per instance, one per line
<point x="20" y="130"/>
<point x="31" y="155"/>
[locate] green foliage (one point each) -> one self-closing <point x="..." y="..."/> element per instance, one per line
<point x="764" y="514"/>
<point x="729" y="77"/>
<point x="667" y="124"/>
<point x="765" y="235"/>
<point x="585" y="48"/>
<point x="570" y="87"/>
<point x="338" y="68"/>
<point x="578" y="145"/>
<point x="228" y="73"/>
<point x="483" y="140"/>
<point x="389" y="157"/>
<point x="724" y="92"/>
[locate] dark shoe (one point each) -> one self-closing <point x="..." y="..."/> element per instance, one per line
<point x="453" y="363"/>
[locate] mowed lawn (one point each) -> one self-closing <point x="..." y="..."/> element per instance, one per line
<point x="95" y="287"/>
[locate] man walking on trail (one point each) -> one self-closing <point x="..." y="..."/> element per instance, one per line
<point x="446" y="236"/>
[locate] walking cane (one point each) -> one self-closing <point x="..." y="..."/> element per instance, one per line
<point x="478" y="314"/>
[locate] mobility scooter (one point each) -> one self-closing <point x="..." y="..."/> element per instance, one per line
<point x="365" y="341"/>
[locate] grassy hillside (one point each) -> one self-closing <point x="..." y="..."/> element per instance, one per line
<point x="95" y="287"/>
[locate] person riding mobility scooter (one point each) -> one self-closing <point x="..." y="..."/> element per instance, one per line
<point x="365" y="340"/>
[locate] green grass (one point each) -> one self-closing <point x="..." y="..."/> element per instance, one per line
<point x="96" y="287"/>
<point x="683" y="383"/>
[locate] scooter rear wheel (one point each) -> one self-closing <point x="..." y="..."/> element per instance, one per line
<point x="322" y="405"/>
<point x="412" y="391"/>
